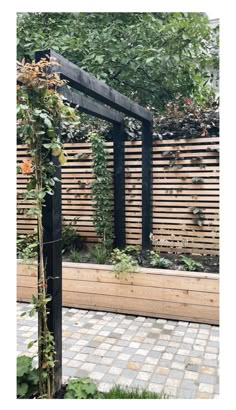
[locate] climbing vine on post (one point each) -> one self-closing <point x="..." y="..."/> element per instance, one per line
<point x="40" y="114"/>
<point x="101" y="191"/>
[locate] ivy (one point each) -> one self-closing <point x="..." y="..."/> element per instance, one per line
<point x="40" y="113"/>
<point x="101" y="191"/>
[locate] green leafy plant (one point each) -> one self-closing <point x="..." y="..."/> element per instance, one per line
<point x="69" y="237"/>
<point x="75" y="256"/>
<point x="27" y="246"/>
<point x="199" y="215"/>
<point x="99" y="253"/>
<point x="41" y="112"/>
<point x="101" y="191"/>
<point x="118" y="392"/>
<point x="132" y="250"/>
<point x="190" y="264"/>
<point x="82" y="388"/>
<point x="158" y="261"/>
<point x="197" y="180"/>
<point x="123" y="263"/>
<point x="27" y="378"/>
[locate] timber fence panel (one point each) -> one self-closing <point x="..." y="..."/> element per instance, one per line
<point x="185" y="179"/>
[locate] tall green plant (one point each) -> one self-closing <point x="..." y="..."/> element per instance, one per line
<point x="101" y="191"/>
<point x="40" y="112"/>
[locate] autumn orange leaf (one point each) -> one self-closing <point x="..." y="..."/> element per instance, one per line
<point x="26" y="166"/>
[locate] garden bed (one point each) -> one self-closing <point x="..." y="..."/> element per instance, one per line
<point x="162" y="293"/>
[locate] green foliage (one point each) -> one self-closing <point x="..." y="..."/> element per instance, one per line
<point x="99" y="253"/>
<point x="190" y="264"/>
<point x="151" y="57"/>
<point x="75" y="256"/>
<point x="198" y="215"/>
<point x="41" y="112"/>
<point x="82" y="388"/>
<point x="69" y="237"/>
<point x="27" y="378"/>
<point x="197" y="180"/>
<point x="158" y="261"/>
<point x="118" y="392"/>
<point x="123" y="263"/>
<point x="101" y="191"/>
<point x="27" y="246"/>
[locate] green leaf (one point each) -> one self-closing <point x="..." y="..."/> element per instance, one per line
<point x="24" y="364"/>
<point x="22" y="389"/>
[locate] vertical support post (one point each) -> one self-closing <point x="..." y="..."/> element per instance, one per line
<point x="146" y="184"/>
<point x="119" y="185"/>
<point x="52" y="255"/>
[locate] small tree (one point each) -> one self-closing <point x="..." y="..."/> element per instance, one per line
<point x="40" y="112"/>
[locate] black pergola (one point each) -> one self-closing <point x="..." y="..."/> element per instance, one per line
<point x="90" y="94"/>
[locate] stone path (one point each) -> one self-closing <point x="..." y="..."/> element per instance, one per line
<point x="177" y="358"/>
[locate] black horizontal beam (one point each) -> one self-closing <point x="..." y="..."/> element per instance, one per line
<point x="89" y="106"/>
<point x="90" y="85"/>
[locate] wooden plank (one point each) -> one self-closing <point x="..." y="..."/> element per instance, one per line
<point x="89" y="106"/>
<point x="188" y="312"/>
<point x="141" y="292"/>
<point x="90" y="85"/>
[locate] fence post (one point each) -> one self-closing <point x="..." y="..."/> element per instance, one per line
<point x="146" y="183"/>
<point x="52" y="255"/>
<point x="119" y="184"/>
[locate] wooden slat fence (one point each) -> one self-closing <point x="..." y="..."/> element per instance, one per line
<point x="177" y="165"/>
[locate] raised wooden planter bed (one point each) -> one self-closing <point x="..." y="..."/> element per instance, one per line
<point x="160" y="293"/>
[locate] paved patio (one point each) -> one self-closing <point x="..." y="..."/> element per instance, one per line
<point x="177" y="358"/>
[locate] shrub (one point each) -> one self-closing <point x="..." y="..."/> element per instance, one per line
<point x="74" y="256"/>
<point x="99" y="253"/>
<point x="27" y="378"/>
<point x="158" y="261"/>
<point x="70" y="238"/>
<point x="190" y="264"/>
<point x="123" y="263"/>
<point x="82" y="388"/>
<point x="27" y="246"/>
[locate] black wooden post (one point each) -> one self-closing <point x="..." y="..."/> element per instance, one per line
<point x="52" y="255"/>
<point x="119" y="185"/>
<point x="146" y="184"/>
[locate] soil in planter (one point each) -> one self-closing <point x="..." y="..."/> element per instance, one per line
<point x="210" y="262"/>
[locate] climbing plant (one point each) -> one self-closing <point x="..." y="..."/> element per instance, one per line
<point x="101" y="191"/>
<point x="40" y="115"/>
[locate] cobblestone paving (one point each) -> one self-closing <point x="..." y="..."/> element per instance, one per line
<point x="177" y="358"/>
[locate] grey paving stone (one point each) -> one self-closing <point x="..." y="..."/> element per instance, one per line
<point x="186" y="394"/>
<point x="120" y="363"/>
<point x="69" y="371"/>
<point x="69" y="354"/>
<point x="164" y="363"/>
<point x="176" y="374"/>
<point x="206" y="378"/>
<point x="111" y="353"/>
<point x="192" y="367"/>
<point x="101" y="368"/>
<point x="139" y="384"/>
<point x="188" y="384"/>
<point x="131" y="374"/>
<point x="158" y="378"/>
<point x="180" y="358"/>
<point x="175" y="355"/>
<point x="138" y="358"/>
